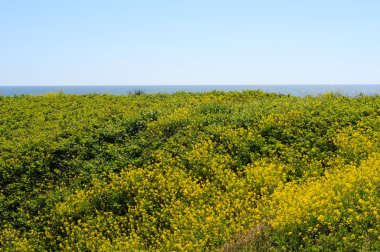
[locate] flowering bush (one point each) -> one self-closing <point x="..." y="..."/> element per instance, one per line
<point x="189" y="172"/>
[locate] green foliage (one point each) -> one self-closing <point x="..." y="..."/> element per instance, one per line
<point x="189" y="171"/>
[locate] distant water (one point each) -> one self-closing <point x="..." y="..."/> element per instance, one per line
<point x="296" y="90"/>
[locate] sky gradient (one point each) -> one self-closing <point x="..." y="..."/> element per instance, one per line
<point x="91" y="42"/>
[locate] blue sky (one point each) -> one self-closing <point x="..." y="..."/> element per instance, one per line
<point x="91" y="42"/>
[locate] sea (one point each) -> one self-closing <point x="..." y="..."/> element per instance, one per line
<point x="295" y="90"/>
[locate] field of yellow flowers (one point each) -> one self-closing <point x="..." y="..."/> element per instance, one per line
<point x="216" y="171"/>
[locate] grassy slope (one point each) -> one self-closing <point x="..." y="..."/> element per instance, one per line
<point x="189" y="172"/>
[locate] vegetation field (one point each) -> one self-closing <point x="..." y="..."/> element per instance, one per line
<point x="216" y="171"/>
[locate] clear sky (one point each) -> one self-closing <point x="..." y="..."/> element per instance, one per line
<point x="109" y="42"/>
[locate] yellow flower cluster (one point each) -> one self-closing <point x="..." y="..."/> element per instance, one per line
<point x="345" y="202"/>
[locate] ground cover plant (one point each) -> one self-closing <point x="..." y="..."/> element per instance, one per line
<point x="229" y="171"/>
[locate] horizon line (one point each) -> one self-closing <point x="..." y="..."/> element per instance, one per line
<point x="213" y="84"/>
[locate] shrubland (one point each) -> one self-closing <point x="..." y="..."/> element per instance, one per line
<point x="230" y="171"/>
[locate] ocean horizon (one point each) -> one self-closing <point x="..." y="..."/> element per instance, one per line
<point x="295" y="89"/>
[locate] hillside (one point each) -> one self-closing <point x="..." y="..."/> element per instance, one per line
<point x="189" y="172"/>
